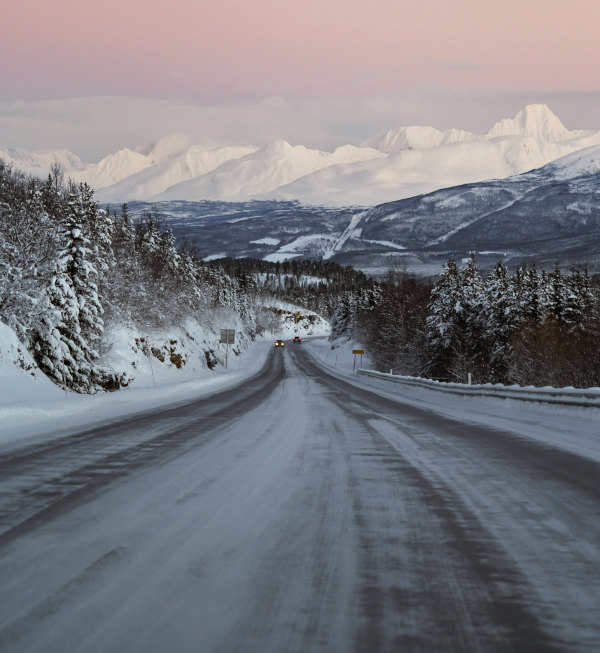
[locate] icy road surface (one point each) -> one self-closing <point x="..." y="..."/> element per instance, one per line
<point x="300" y="513"/>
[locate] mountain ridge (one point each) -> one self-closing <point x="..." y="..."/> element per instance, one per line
<point x="547" y="215"/>
<point x="400" y="163"/>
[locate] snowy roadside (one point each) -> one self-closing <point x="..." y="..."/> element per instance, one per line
<point x="34" y="409"/>
<point x="161" y="369"/>
<point x="570" y="428"/>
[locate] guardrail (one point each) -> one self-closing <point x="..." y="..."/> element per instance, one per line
<point x="564" y="396"/>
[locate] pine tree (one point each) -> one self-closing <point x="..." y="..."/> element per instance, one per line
<point x="342" y="321"/>
<point x="67" y="345"/>
<point x="557" y="294"/>
<point x="499" y="320"/>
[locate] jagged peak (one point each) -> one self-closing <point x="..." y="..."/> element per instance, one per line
<point x="534" y="120"/>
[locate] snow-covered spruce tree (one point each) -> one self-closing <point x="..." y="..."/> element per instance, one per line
<point x="580" y="302"/>
<point x="244" y="297"/>
<point x="533" y="298"/>
<point x="98" y="226"/>
<point x="499" y="319"/>
<point x="455" y="325"/>
<point x="556" y="344"/>
<point x="392" y="324"/>
<point x="66" y="347"/>
<point x="27" y="251"/>
<point x="81" y="266"/>
<point x="58" y="347"/>
<point x="342" y="321"/>
<point x="125" y="286"/>
<point x="442" y="321"/>
<point x="557" y="294"/>
<point x="53" y="192"/>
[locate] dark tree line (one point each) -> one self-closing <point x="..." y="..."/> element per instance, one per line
<point x="315" y="285"/>
<point x="531" y="327"/>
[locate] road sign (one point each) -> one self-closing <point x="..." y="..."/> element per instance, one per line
<point x="228" y="336"/>
<point x="357" y="352"/>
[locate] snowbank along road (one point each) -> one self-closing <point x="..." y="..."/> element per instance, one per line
<point x="299" y="512"/>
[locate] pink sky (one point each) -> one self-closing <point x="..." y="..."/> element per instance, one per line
<point x="246" y="49"/>
<point x="95" y="75"/>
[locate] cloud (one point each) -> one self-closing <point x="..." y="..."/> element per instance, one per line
<point x="94" y="126"/>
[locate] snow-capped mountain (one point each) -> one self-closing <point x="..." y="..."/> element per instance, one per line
<point x="549" y="214"/>
<point x="269" y="168"/>
<point x="194" y="162"/>
<point x="536" y="121"/>
<point x="38" y="164"/>
<point x="416" y="138"/>
<point x="400" y="163"/>
<point x="414" y="172"/>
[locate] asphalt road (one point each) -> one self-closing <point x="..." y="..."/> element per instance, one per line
<point x="299" y="513"/>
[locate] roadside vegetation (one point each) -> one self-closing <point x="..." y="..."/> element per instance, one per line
<point x="531" y="327"/>
<point x="71" y="273"/>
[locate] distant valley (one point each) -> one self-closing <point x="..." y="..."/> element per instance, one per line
<point x="548" y="215"/>
<point x="411" y="197"/>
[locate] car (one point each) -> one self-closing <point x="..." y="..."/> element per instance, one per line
<point x="279" y="343"/>
<point x="296" y="339"/>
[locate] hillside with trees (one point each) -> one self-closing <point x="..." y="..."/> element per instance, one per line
<point x="531" y="327"/>
<point x="71" y="274"/>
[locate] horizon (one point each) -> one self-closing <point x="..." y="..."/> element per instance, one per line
<point x="221" y="132"/>
<point x="95" y="77"/>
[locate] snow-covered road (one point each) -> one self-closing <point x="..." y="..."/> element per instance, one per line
<point x="301" y="512"/>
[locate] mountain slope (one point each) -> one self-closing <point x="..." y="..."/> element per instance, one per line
<point x="265" y="170"/>
<point x="552" y="213"/>
<point x="414" y="172"/>
<point x="535" y="120"/>
<point x="195" y="161"/>
<point x="38" y="164"/>
<point x="549" y="214"/>
<point x="416" y="138"/>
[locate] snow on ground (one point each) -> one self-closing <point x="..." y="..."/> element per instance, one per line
<point x="32" y="407"/>
<point x="279" y="279"/>
<point x="160" y="370"/>
<point x="291" y="320"/>
<point x="570" y="428"/>
<point x="338" y="355"/>
<point x="315" y="243"/>
<point x="266" y="241"/>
